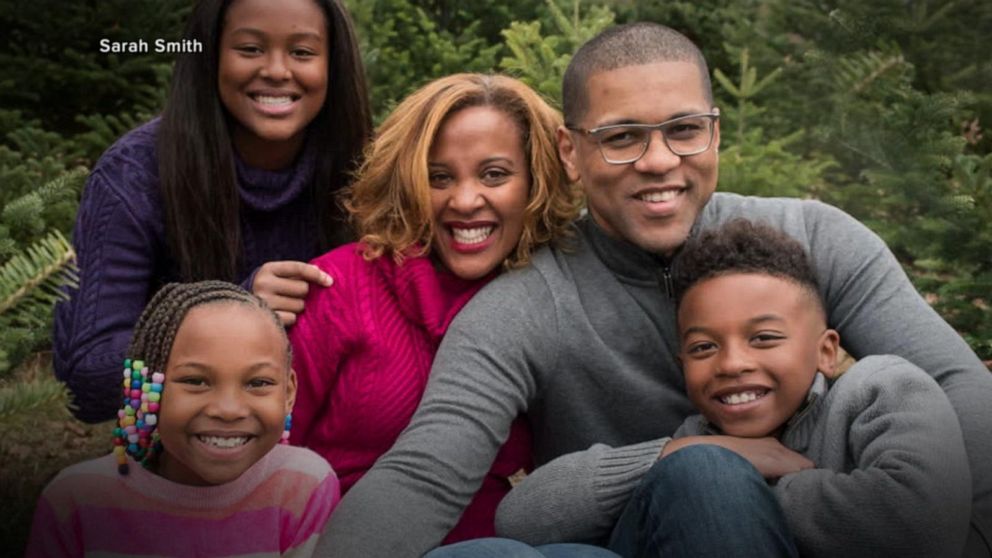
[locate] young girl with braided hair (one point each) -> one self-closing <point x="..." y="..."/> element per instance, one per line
<point x="197" y="467"/>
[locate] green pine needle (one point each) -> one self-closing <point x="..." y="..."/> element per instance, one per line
<point x="23" y="396"/>
<point x="31" y="281"/>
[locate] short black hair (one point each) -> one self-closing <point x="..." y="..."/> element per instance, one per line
<point x="632" y="44"/>
<point x="742" y="246"/>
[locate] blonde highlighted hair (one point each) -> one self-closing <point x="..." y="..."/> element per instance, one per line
<point x="390" y="200"/>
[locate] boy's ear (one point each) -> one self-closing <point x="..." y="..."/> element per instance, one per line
<point x="291" y="391"/>
<point x="827" y="350"/>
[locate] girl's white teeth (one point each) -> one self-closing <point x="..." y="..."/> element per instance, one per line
<point x="266" y="100"/>
<point x="471" y="236"/>
<point x="224" y="442"/>
<point x="743" y="397"/>
<point x="657" y="197"/>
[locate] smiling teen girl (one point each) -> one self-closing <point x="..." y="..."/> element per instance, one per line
<point x="234" y="182"/>
<point x="197" y="468"/>
<point x="462" y="182"/>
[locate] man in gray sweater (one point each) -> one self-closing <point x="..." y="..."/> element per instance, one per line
<point x="891" y="476"/>
<point x="584" y="339"/>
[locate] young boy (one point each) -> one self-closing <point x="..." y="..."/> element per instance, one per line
<point x="889" y="474"/>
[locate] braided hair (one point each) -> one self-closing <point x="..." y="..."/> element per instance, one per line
<point x="148" y="354"/>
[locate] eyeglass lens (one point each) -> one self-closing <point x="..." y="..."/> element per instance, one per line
<point x="684" y="136"/>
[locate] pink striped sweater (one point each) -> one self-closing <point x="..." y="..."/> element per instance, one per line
<point x="278" y="507"/>
<point x="362" y="351"/>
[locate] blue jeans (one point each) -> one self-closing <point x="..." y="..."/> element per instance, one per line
<point x="508" y="548"/>
<point x="703" y="501"/>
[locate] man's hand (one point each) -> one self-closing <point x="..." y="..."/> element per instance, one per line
<point x="768" y="455"/>
<point x="284" y="285"/>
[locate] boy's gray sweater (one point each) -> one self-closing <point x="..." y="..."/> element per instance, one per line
<point x="584" y="341"/>
<point x="891" y="476"/>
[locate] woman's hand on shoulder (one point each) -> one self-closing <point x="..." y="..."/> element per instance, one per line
<point x="284" y="285"/>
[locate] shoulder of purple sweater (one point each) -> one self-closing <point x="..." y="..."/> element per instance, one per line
<point x="130" y="165"/>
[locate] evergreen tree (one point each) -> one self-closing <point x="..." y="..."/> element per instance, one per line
<point x="403" y="47"/>
<point x="539" y="58"/>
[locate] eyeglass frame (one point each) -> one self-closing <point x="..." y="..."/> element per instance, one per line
<point x="713" y="116"/>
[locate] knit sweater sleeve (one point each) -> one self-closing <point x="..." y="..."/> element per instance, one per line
<point x="878" y="311"/>
<point x="303" y="530"/>
<point x="482" y="378"/>
<point x="577" y="497"/>
<point x="325" y="333"/>
<point x="116" y="253"/>
<point x="907" y="490"/>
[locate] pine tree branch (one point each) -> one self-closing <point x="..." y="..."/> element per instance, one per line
<point x="22" y="396"/>
<point x="35" y="275"/>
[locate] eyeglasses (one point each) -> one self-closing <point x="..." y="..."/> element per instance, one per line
<point x="620" y="144"/>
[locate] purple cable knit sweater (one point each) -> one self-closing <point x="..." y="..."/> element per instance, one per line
<point x="123" y="256"/>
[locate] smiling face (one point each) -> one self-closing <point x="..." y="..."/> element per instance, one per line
<point x="751" y="346"/>
<point x="272" y="76"/>
<point x="654" y="201"/>
<point x="222" y="410"/>
<point x="480" y="182"/>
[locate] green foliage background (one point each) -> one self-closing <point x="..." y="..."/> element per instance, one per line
<point x="877" y="107"/>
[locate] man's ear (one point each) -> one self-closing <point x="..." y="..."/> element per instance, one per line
<point x="566" y="151"/>
<point x="827" y="351"/>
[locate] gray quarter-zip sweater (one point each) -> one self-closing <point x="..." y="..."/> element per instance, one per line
<point x="891" y="477"/>
<point x="584" y="341"/>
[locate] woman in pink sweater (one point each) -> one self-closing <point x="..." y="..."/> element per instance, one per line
<point x="462" y="182"/>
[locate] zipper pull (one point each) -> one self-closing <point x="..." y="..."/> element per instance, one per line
<point x="667" y="283"/>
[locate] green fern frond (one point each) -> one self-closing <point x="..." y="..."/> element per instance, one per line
<point x="31" y="281"/>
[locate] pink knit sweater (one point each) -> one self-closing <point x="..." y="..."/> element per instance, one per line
<point x="362" y="350"/>
<point x="278" y="507"/>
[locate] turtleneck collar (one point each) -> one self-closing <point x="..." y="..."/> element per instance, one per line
<point x="428" y="293"/>
<point x="266" y="190"/>
<point x="627" y="261"/>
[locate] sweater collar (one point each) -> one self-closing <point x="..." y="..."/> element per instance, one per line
<point x="427" y="293"/>
<point x="266" y="190"/>
<point x="203" y="497"/>
<point x="799" y="429"/>
<point x="623" y="258"/>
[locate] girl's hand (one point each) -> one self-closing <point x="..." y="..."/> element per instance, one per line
<point x="284" y="285"/>
<point x="768" y="455"/>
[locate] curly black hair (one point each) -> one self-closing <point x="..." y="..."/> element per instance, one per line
<point x="742" y="246"/>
